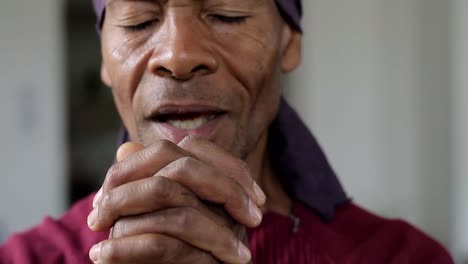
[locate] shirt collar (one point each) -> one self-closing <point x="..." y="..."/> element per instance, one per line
<point x="300" y="164"/>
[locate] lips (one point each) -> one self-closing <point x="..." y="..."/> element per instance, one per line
<point x="177" y="121"/>
<point x="186" y="120"/>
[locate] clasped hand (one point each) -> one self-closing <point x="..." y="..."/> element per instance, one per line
<point x="176" y="203"/>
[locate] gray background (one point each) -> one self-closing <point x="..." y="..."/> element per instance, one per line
<point x="383" y="86"/>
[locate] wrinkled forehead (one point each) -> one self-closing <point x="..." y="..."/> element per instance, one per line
<point x="291" y="11"/>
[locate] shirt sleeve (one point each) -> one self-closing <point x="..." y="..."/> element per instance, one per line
<point x="55" y="241"/>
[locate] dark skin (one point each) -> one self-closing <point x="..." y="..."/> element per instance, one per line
<point x="196" y="83"/>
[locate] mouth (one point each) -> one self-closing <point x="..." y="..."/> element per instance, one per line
<point x="177" y="122"/>
<point x="187" y="120"/>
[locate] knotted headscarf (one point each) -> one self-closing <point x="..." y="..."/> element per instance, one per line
<point x="291" y="11"/>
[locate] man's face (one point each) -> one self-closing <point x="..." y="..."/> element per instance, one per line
<point x="210" y="68"/>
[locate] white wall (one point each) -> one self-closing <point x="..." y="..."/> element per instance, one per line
<point x="460" y="127"/>
<point x="375" y="87"/>
<point x="32" y="159"/>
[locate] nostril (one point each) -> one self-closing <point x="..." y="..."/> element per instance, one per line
<point x="163" y="72"/>
<point x="166" y="73"/>
<point x="179" y="76"/>
<point x="200" y="68"/>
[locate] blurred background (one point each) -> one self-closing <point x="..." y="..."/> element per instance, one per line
<point x="383" y="85"/>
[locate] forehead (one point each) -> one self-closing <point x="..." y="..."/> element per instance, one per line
<point x="163" y="2"/>
<point x="290" y="10"/>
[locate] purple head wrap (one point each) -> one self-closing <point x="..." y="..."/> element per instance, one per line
<point x="291" y="11"/>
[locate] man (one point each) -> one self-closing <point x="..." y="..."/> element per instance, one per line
<point x="213" y="150"/>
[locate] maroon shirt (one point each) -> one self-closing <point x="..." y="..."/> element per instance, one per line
<point x="324" y="226"/>
<point x="353" y="236"/>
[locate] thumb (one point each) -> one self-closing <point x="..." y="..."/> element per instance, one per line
<point x="127" y="149"/>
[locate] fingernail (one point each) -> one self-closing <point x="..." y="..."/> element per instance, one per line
<point x="261" y="197"/>
<point x="95" y="252"/>
<point x="255" y="212"/>
<point x="97" y="198"/>
<point x="92" y="217"/>
<point x="244" y="253"/>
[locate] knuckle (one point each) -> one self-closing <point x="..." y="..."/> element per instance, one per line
<point x="205" y="257"/>
<point x="187" y="163"/>
<point x="109" y="251"/>
<point x="161" y="188"/>
<point x="156" y="246"/>
<point x="232" y="243"/>
<point x="243" y="169"/>
<point x="183" y="167"/>
<point x="107" y="201"/>
<point x="161" y="145"/>
<point x="191" y="199"/>
<point x="189" y="140"/>
<point x="119" y="229"/>
<point x="113" y="174"/>
<point x="229" y="243"/>
<point x="168" y="250"/>
<point x="186" y="218"/>
<point x="144" y="155"/>
<point x="162" y="248"/>
<point x="237" y="197"/>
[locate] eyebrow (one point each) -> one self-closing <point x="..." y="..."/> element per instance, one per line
<point x="115" y="1"/>
<point x="156" y="1"/>
<point x="108" y="2"/>
<point x="162" y="2"/>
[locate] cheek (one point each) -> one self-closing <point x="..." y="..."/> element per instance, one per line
<point x="254" y="59"/>
<point x="125" y="65"/>
<point x="249" y="53"/>
<point x="261" y="60"/>
<point x="124" y="58"/>
<point x="252" y="56"/>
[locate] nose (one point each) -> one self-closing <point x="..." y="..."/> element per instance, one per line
<point x="181" y="50"/>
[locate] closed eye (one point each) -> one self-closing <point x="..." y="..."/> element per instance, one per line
<point x="229" y="19"/>
<point x="139" y="27"/>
